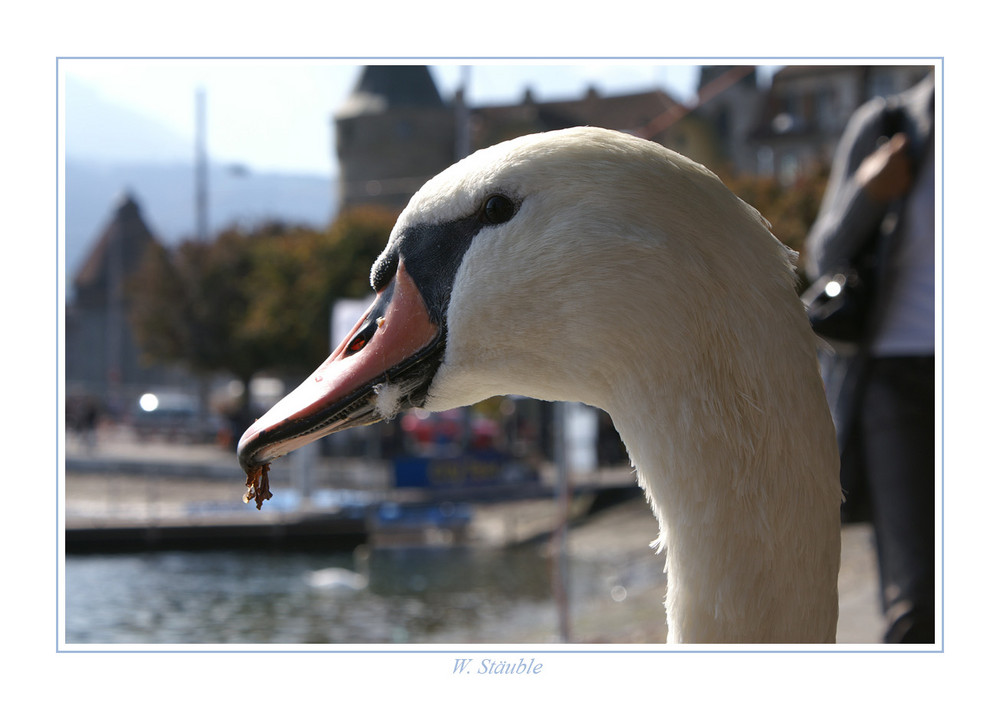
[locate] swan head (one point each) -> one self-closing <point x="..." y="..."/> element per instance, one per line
<point x="544" y="266"/>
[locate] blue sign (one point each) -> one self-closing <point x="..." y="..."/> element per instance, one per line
<point x="463" y="472"/>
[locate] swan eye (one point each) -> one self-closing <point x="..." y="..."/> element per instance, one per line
<point x="498" y="209"/>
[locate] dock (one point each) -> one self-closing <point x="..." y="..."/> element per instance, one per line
<point x="128" y="495"/>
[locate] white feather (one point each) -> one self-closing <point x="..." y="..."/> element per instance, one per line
<point x="388" y="398"/>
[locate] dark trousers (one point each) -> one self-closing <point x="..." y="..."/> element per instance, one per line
<point x="897" y="429"/>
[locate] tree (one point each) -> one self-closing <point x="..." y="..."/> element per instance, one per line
<point x="186" y="304"/>
<point x="299" y="274"/>
<point x="253" y="300"/>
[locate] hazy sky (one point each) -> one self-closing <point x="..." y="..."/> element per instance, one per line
<point x="275" y="115"/>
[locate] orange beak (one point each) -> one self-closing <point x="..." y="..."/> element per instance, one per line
<point x="395" y="342"/>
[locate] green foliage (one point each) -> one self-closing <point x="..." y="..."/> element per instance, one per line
<point x="185" y="304"/>
<point x="254" y="299"/>
<point x="159" y="329"/>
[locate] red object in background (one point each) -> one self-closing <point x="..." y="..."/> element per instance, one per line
<point x="428" y="429"/>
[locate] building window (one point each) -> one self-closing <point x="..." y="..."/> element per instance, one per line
<point x="826" y="111"/>
<point x="765" y="161"/>
<point x="789" y="169"/>
<point x="882" y="84"/>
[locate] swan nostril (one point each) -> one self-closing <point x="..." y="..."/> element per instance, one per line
<point x="365" y="335"/>
<point x="357" y="344"/>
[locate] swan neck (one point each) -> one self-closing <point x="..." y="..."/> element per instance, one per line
<point x="740" y="470"/>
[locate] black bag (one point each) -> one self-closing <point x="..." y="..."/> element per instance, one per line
<point x="839" y="302"/>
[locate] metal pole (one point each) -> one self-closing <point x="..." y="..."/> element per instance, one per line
<point x="560" y="576"/>
<point x="201" y="168"/>
<point x="201" y="210"/>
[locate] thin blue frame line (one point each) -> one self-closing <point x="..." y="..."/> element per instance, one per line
<point x="939" y="134"/>
<point x="462" y="651"/>
<point x="58" y="334"/>
<point x="508" y="58"/>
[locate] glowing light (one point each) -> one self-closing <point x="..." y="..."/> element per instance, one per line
<point x="833" y="289"/>
<point x="148" y="402"/>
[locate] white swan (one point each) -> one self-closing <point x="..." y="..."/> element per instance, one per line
<point x="592" y="266"/>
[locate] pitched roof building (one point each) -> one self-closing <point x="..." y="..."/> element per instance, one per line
<point x="102" y="358"/>
<point x="118" y="251"/>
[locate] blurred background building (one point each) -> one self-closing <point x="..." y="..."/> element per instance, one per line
<point x="395" y="130"/>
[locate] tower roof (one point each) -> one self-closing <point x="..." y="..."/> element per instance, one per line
<point x="121" y="245"/>
<point x="384" y="87"/>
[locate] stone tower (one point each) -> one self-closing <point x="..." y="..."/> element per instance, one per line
<point x="393" y="133"/>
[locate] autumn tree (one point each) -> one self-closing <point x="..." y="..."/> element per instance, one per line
<point x="253" y="300"/>
<point x="300" y="274"/>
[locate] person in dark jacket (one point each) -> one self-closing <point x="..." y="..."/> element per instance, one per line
<point x="881" y="388"/>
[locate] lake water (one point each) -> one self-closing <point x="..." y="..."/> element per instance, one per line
<point x="409" y="596"/>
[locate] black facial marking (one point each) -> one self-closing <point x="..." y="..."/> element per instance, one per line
<point x="433" y="252"/>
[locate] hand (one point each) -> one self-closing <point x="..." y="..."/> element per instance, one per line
<point x="887" y="173"/>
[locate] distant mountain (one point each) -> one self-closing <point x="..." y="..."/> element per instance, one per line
<point x="165" y="194"/>
<point x="102" y="142"/>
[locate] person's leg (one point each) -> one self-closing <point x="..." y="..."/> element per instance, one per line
<point x="898" y="427"/>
